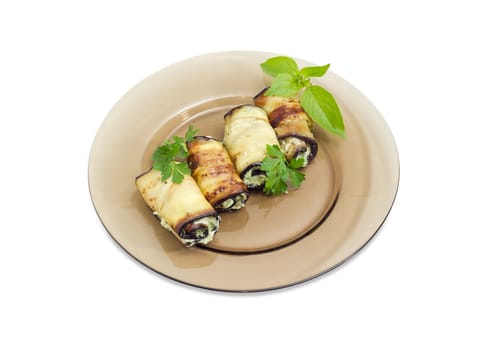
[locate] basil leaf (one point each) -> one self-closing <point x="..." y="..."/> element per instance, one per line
<point x="280" y="64"/>
<point x="322" y="108"/>
<point x="314" y="71"/>
<point x="284" y="85"/>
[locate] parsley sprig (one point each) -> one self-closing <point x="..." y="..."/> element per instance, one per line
<point x="318" y="102"/>
<point x="280" y="172"/>
<point x="171" y="157"/>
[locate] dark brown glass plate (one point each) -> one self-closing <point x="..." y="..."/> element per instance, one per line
<point x="275" y="241"/>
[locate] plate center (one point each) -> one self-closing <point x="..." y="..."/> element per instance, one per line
<point x="267" y="222"/>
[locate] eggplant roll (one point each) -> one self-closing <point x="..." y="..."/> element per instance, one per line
<point x="181" y="208"/>
<point x="215" y="174"/>
<point x="291" y="124"/>
<point x="247" y="133"/>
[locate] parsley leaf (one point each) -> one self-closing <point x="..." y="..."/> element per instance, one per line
<point x="171" y="157"/>
<point x="317" y="102"/>
<point x="190" y="134"/>
<point x="280" y="173"/>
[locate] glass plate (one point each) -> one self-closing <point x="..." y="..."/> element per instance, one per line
<point x="275" y="241"/>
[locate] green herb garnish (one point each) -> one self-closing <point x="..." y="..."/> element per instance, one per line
<point x="318" y="103"/>
<point x="280" y="172"/>
<point x="171" y="157"/>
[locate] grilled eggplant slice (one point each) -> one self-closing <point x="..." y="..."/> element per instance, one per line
<point x="291" y="124"/>
<point x="215" y="174"/>
<point x="181" y="208"/>
<point x="247" y="132"/>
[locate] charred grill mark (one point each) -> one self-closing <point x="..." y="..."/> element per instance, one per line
<point x="289" y="119"/>
<point x="218" y="170"/>
<point x="209" y="163"/>
<point x="283" y="113"/>
<point x="213" y="170"/>
<point x="200" y="156"/>
<point x="218" y="190"/>
<point x="228" y="185"/>
<point x="233" y="188"/>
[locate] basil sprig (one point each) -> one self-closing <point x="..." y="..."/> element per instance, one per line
<point x="316" y="101"/>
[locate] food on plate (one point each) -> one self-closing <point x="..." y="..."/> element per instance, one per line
<point x="318" y="103"/>
<point x="181" y="208"/>
<point x="280" y="172"/>
<point x="291" y="124"/>
<point x="247" y="133"/>
<point x="215" y="174"/>
<point x="171" y="157"/>
<point x="193" y="178"/>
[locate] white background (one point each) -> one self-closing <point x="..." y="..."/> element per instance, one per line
<point x="66" y="285"/>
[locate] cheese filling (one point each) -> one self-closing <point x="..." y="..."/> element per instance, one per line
<point x="208" y="226"/>
<point x="252" y="180"/>
<point x="204" y="234"/>
<point x="235" y="204"/>
<point x="294" y="147"/>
